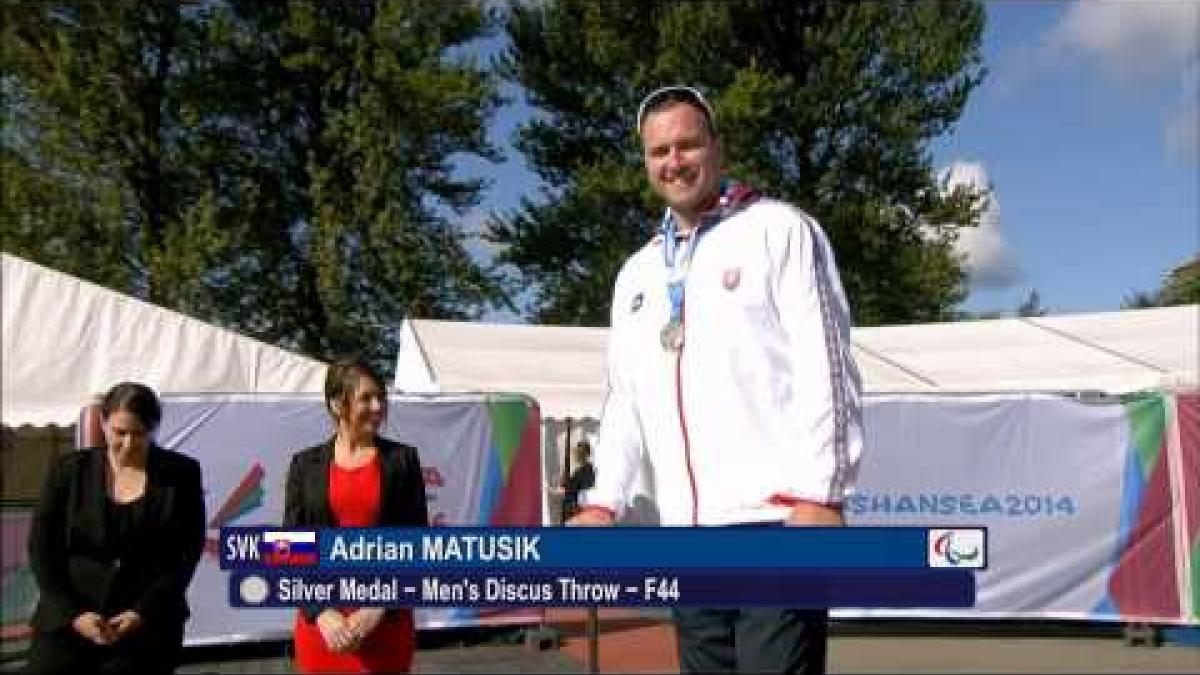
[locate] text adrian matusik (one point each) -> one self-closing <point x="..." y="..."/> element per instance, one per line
<point x="436" y="548"/>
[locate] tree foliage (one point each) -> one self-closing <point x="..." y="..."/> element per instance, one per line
<point x="1031" y="306"/>
<point x="828" y="105"/>
<point x="282" y="168"/>
<point x="1180" y="286"/>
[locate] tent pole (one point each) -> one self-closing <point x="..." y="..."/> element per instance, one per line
<point x="566" y="471"/>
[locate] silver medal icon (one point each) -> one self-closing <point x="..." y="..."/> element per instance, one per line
<point x="254" y="590"/>
<point x="672" y="336"/>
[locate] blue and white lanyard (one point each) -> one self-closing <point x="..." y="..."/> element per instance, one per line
<point x="677" y="262"/>
<point x="677" y="267"/>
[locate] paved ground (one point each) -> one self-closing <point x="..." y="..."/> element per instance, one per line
<point x="630" y="641"/>
<point x="1006" y="655"/>
<point x="480" y="659"/>
<point x="847" y="655"/>
<point x="645" y="644"/>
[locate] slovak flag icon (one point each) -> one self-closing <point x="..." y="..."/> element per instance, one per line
<point x="284" y="549"/>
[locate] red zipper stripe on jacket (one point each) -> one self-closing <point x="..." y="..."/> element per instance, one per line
<point x="687" y="446"/>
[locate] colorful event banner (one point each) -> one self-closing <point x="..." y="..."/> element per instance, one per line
<point x="1090" y="507"/>
<point x="480" y="455"/>
<point x="18" y="591"/>
<point x="1184" y="443"/>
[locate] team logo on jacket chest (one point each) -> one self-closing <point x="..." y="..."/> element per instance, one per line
<point x="731" y="278"/>
<point x="637" y="303"/>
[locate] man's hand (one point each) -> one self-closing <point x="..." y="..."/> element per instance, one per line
<point x="94" y="628"/>
<point x="592" y="518"/>
<point x="338" y="635"/>
<point x="809" y="514"/>
<point x="125" y="623"/>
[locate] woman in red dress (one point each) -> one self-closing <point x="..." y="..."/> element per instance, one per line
<point x="355" y="479"/>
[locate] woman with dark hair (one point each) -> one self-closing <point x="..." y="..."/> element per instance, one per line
<point x="115" y="540"/>
<point x="355" y="479"/>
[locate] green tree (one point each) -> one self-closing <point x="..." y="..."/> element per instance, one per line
<point x="94" y="182"/>
<point x="985" y="315"/>
<point x="1031" y="306"/>
<point x="282" y="168"/>
<point x="1181" y="286"/>
<point x="828" y="105"/>
<point x="1140" y="300"/>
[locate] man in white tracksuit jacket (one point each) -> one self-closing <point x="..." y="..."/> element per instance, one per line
<point x="730" y="371"/>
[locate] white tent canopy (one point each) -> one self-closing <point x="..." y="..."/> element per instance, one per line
<point x="66" y="340"/>
<point x="563" y="368"/>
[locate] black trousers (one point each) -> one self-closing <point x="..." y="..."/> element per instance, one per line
<point x="753" y="640"/>
<point x="149" y="650"/>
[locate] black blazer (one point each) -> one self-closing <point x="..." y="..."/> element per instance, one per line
<point x="401" y="490"/>
<point x="72" y="554"/>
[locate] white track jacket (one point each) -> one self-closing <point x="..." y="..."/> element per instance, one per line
<point x="761" y="407"/>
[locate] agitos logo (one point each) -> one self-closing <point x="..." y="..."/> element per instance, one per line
<point x="246" y="497"/>
<point x="957" y="548"/>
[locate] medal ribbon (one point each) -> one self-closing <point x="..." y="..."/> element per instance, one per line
<point x="677" y="267"/>
<point x="734" y="196"/>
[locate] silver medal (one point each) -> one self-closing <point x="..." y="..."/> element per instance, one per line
<point x="672" y="336"/>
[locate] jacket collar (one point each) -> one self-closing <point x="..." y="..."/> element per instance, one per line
<point x="324" y="460"/>
<point x="732" y="197"/>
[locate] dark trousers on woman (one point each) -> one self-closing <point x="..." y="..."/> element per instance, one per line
<point x="753" y="640"/>
<point x="146" y="651"/>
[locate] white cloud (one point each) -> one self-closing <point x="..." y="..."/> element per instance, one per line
<point x="1131" y="40"/>
<point x="990" y="261"/>
<point x="1182" y="132"/>
<point x="1138" y="44"/>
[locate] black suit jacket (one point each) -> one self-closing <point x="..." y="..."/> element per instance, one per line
<point x="71" y="551"/>
<point x="401" y="490"/>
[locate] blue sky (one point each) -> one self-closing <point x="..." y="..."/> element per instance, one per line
<point x="1086" y="130"/>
